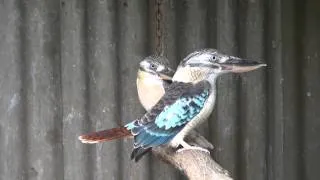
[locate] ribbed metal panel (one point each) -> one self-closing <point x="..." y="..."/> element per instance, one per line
<point x="68" y="67"/>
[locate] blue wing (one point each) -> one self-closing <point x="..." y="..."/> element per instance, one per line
<point x="181" y="103"/>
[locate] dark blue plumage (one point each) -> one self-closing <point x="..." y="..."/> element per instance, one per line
<point x="181" y="103"/>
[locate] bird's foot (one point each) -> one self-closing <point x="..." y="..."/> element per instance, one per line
<point x="186" y="146"/>
<point x="193" y="148"/>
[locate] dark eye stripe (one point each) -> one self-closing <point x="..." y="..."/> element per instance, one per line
<point x="206" y="65"/>
<point x="215" y="66"/>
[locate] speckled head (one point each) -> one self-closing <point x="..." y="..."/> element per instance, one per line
<point x="157" y="66"/>
<point x="199" y="64"/>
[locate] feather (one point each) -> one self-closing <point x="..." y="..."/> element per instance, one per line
<point x="181" y="103"/>
<point x="105" y="135"/>
<point x="137" y="153"/>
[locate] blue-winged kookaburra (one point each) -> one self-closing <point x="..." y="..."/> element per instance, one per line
<point x="153" y="77"/>
<point x="188" y="101"/>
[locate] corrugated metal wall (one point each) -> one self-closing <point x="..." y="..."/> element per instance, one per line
<point x="69" y="67"/>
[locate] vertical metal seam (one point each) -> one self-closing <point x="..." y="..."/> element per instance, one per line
<point x="61" y="3"/>
<point x="86" y="68"/>
<point x="239" y="144"/>
<point x="24" y="94"/>
<point x="282" y="90"/>
<point x="119" y="86"/>
<point x="267" y="33"/>
<point x="300" y="17"/>
<point x="59" y="94"/>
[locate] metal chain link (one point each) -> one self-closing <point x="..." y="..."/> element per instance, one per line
<point x="159" y="28"/>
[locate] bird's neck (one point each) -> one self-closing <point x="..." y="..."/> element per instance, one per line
<point x="148" y="78"/>
<point x="150" y="89"/>
<point x="194" y="75"/>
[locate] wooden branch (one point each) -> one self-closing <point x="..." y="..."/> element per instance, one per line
<point x="195" y="164"/>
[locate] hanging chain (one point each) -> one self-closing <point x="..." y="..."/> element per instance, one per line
<point x="159" y="29"/>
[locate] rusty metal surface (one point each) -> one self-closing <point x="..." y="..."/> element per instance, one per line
<point x="68" y="67"/>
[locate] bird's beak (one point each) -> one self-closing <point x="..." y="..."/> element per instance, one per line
<point x="238" y="65"/>
<point x="166" y="74"/>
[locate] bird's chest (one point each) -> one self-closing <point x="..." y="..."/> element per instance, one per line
<point x="149" y="93"/>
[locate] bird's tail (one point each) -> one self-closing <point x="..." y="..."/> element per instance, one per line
<point x="105" y="135"/>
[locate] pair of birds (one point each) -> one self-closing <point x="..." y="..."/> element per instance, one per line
<point x="176" y="102"/>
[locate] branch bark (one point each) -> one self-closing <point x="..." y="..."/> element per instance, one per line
<point x="196" y="165"/>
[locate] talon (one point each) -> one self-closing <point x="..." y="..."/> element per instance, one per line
<point x="193" y="148"/>
<point x="186" y="146"/>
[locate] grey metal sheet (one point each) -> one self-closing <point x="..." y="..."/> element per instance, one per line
<point x="68" y="67"/>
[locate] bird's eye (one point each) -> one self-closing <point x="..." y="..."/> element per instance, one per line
<point x="213" y="57"/>
<point x="153" y="66"/>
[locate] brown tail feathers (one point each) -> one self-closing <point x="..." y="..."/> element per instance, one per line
<point x="105" y="135"/>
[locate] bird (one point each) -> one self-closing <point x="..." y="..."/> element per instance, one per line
<point x="187" y="102"/>
<point x="153" y="77"/>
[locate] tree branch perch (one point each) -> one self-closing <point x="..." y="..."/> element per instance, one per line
<point x="196" y="165"/>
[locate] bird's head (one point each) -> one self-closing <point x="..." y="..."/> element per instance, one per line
<point x="200" y="64"/>
<point x="156" y="68"/>
<point x="153" y="75"/>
